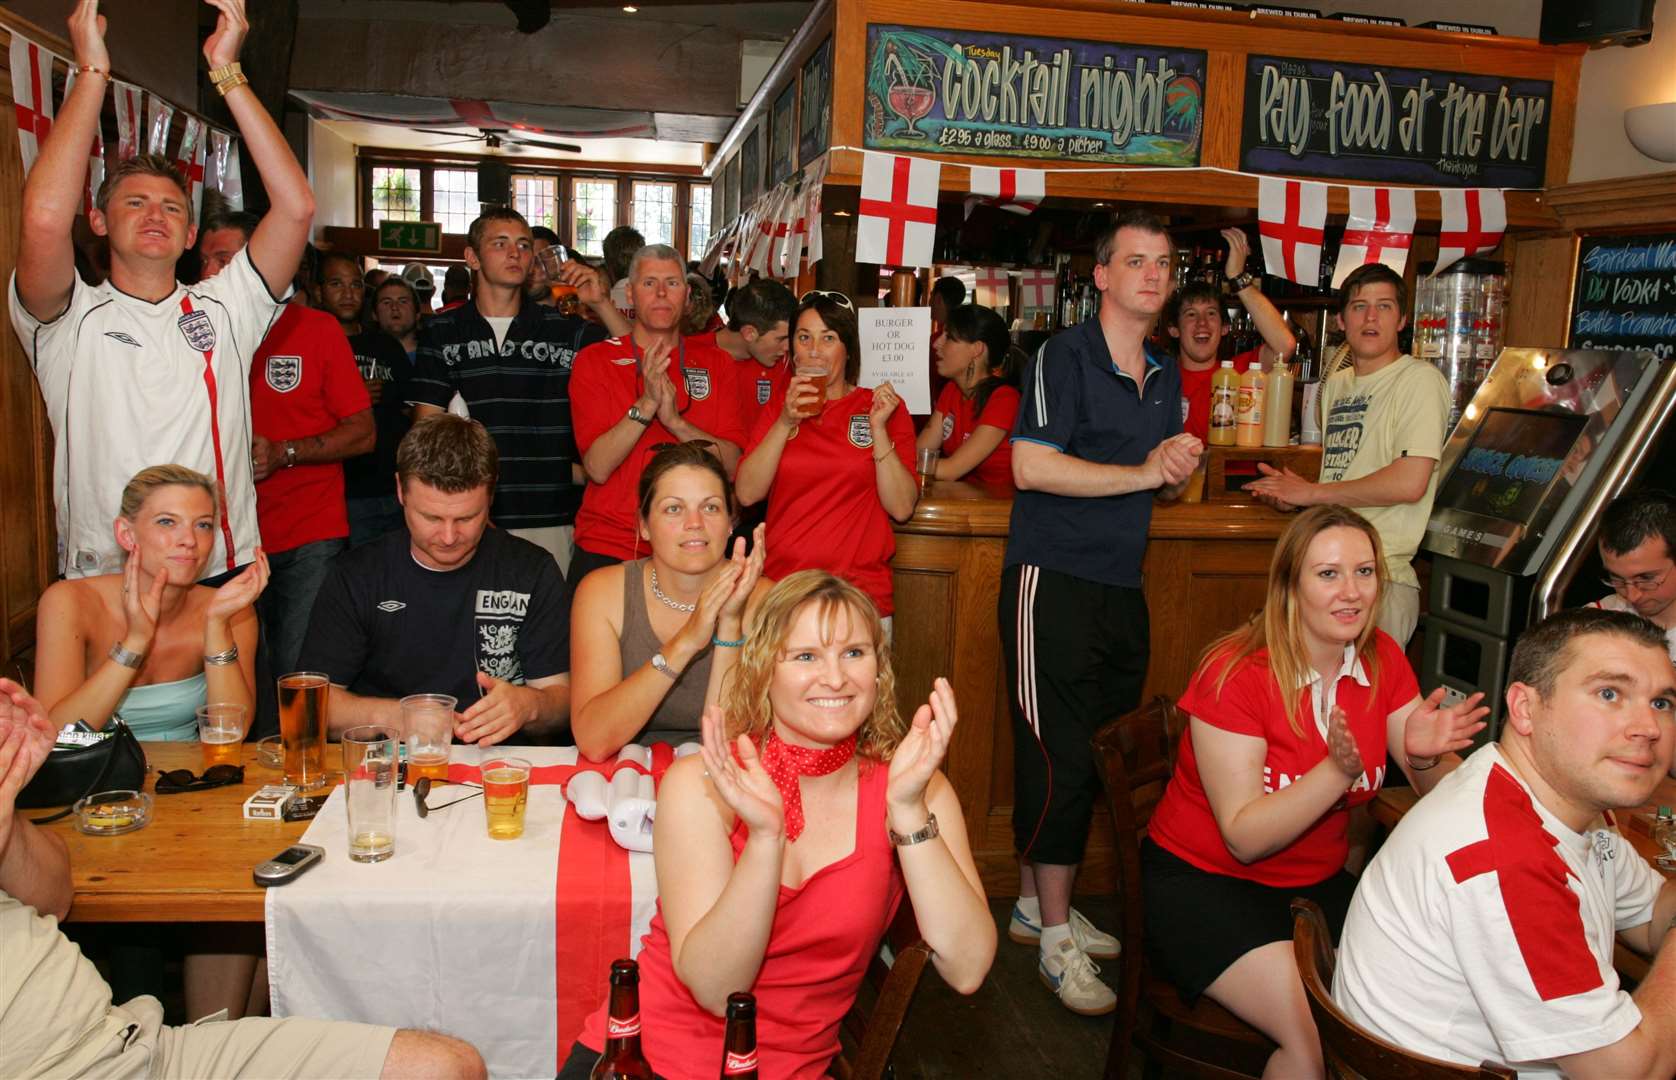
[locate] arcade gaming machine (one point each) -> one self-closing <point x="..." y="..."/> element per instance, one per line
<point x="1550" y="437"/>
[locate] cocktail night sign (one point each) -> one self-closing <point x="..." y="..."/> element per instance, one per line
<point x="968" y="92"/>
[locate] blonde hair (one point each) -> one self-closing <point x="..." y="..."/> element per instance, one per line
<point x="1276" y="627"/>
<point x="148" y="480"/>
<point x="745" y="692"/>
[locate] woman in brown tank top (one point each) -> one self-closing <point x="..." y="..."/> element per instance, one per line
<point x="652" y="640"/>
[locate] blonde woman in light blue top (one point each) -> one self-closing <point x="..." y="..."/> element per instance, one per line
<point x="151" y="644"/>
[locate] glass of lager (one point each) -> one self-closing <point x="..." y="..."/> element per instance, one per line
<point x="806" y="405"/>
<point x="369" y="780"/>
<point x="428" y="723"/>
<point x="221" y="733"/>
<point x="506" y="791"/>
<point x="302" y="729"/>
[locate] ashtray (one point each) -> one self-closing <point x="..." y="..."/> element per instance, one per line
<point x="112" y="813"/>
<point x="271" y="752"/>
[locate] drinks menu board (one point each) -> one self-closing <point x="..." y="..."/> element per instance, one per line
<point x="1626" y="294"/>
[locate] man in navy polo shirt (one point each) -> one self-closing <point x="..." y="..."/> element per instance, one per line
<point x="1098" y="438"/>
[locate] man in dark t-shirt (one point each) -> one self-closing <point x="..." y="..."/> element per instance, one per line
<point x="510" y="359"/>
<point x="447" y="605"/>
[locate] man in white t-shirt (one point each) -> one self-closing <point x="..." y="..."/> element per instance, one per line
<point x="1484" y="928"/>
<point x="142" y="370"/>
<point x="1384" y="420"/>
<point x="1637" y="545"/>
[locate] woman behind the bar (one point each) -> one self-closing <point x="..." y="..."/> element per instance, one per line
<point x="975" y="411"/>
<point x="651" y="639"/>
<point x="784" y="848"/>
<point x="835" y="460"/>
<point x="1291" y="717"/>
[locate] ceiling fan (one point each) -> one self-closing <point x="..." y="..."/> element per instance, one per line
<point x="495" y="138"/>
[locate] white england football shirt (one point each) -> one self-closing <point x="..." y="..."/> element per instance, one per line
<point x="1483" y="929"/>
<point x="1614" y="602"/>
<point x="129" y="384"/>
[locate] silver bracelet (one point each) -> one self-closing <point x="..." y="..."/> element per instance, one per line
<point x="1430" y="763"/>
<point x="221" y="659"/>
<point x="126" y="657"/>
<point x="928" y="831"/>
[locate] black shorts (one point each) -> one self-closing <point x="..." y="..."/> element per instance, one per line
<point x="1198" y="923"/>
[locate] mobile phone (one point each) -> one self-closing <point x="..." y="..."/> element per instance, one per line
<point x="288" y="865"/>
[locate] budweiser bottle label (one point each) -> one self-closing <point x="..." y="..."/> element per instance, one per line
<point x="737" y="1063"/>
<point x="622" y="1029"/>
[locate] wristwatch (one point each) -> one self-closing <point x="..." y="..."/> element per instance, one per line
<point x="639" y="417"/>
<point x="662" y="666"/>
<point x="290" y="454"/>
<point x="930" y="830"/>
<point x="1242" y="281"/>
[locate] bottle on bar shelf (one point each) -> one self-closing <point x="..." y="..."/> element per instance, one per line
<point x="739" y="1047"/>
<point x="1248" y="411"/>
<point x="1224" y="398"/>
<point x="623" y="1059"/>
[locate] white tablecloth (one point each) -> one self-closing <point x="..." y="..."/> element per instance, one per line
<point x="456" y="932"/>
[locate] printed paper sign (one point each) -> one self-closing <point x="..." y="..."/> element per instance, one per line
<point x="896" y="348"/>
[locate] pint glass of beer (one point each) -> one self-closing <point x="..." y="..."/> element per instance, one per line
<point x="506" y="791"/>
<point x="302" y="729"/>
<point x="369" y="780"/>
<point x="428" y="725"/>
<point x="817" y="375"/>
<point x="221" y="733"/>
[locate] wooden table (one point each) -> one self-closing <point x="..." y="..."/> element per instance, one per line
<point x="192" y="863"/>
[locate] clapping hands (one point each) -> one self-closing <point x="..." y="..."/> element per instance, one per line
<point x="742" y="782"/>
<point x="922" y="750"/>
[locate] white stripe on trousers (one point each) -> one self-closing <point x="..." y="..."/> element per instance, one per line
<point x="1025" y="627"/>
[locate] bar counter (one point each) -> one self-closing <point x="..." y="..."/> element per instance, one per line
<point x="1205" y="571"/>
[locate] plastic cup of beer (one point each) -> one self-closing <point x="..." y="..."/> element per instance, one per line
<point x="303" y="697"/>
<point x="925" y="464"/>
<point x="221" y="733"/>
<point x="817" y="374"/>
<point x="369" y="781"/>
<point x="506" y="792"/>
<point x="428" y="726"/>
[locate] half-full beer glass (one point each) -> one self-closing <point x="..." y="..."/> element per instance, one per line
<point x="428" y="726"/>
<point x="506" y="791"/>
<point x="369" y="781"/>
<point x="221" y="733"/>
<point x="816" y="373"/>
<point x="302" y="729"/>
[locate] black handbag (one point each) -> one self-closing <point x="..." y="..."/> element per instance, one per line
<point x="73" y="772"/>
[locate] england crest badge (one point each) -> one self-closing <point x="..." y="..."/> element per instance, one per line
<point x="948" y="427"/>
<point x="861" y="432"/>
<point x="284" y="372"/>
<point x="199" y="332"/>
<point x="698" y="383"/>
<point x="765" y="389"/>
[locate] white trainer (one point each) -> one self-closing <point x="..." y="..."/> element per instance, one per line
<point x="1074" y="978"/>
<point x="1089" y="938"/>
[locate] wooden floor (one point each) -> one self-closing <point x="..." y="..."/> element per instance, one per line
<point x="1012" y="1027"/>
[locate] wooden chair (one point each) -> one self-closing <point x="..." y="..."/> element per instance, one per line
<point x="1137" y="756"/>
<point x="1352" y="1053"/>
<point x="868" y="1031"/>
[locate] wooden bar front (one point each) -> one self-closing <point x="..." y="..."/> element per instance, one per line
<point x="1205" y="571"/>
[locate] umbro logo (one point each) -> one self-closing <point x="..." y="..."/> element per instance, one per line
<point x="117" y="335"/>
<point x="391" y="606"/>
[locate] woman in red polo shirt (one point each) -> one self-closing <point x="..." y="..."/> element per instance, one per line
<point x="975" y="411"/>
<point x="1291" y="719"/>
<point x="835" y="460"/>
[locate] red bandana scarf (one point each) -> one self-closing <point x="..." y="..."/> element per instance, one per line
<point x="786" y="764"/>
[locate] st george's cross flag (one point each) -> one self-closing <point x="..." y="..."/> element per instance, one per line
<point x="130" y="120"/>
<point x="31" y="96"/>
<point x="813" y="245"/>
<point x="95" y="152"/>
<point x="1473" y="221"/>
<point x="189" y="160"/>
<point x="221" y="169"/>
<point x="159" y="114"/>
<point x="1292" y="218"/>
<point x="1017" y="190"/>
<point x="896" y="218"/>
<point x="1380" y="229"/>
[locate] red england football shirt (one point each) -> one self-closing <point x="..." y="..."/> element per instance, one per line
<point x="823" y="506"/>
<point x="1250" y="703"/>
<point x="303" y="382"/>
<point x="760" y="389"/>
<point x="603" y="384"/>
<point x="959" y="422"/>
<point x="1195" y="392"/>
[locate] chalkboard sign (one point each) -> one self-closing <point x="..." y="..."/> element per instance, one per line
<point x="1626" y="294"/>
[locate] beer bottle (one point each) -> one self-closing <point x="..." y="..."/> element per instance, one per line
<point x="739" y="1048"/>
<point x="622" y="1059"/>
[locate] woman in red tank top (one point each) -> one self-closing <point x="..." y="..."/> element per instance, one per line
<point x="783" y="849"/>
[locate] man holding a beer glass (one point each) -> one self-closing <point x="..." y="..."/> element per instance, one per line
<point x="447" y="605"/>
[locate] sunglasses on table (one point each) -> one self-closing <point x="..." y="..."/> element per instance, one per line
<point x="174" y="781"/>
<point x="836" y="297"/>
<point x="422" y="790"/>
